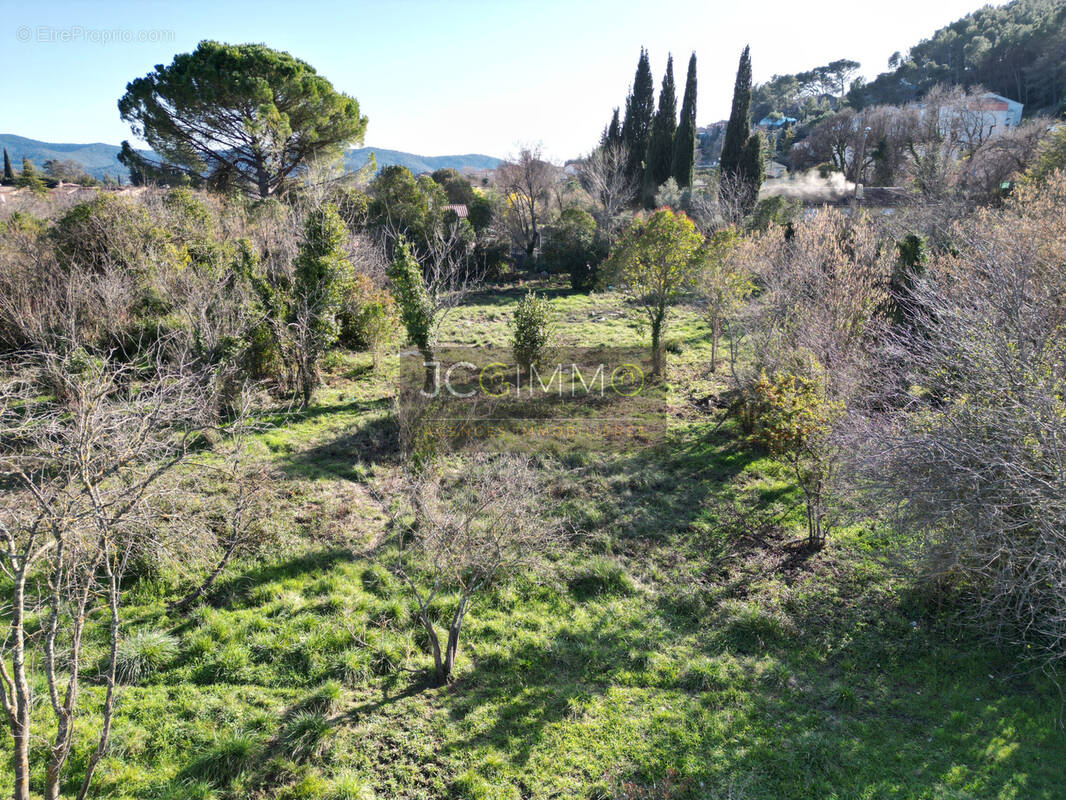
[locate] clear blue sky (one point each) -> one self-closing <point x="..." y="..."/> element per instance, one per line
<point x="442" y="77"/>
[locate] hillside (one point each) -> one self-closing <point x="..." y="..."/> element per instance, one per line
<point x="356" y="157"/>
<point x="101" y="160"/>
<point x="1014" y="50"/>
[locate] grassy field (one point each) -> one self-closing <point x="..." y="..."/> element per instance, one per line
<point x="664" y="654"/>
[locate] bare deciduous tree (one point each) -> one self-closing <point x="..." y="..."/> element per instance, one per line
<point x="85" y="440"/>
<point x="526" y="182"/>
<point x="465" y="531"/>
<point x="605" y="177"/>
<point x="241" y="525"/>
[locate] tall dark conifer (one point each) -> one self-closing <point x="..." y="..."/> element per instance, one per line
<point x="640" y="107"/>
<point x="9" y="175"/>
<point x="684" y="155"/>
<point x="612" y="134"/>
<point x="751" y="170"/>
<point x="738" y="131"/>
<point x="661" y="142"/>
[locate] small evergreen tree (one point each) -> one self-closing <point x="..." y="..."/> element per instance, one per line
<point x="9" y="176"/>
<point x="416" y="305"/>
<point x="612" y="134"/>
<point x="531" y="330"/>
<point x="684" y="153"/>
<point x="636" y="125"/>
<point x="29" y="178"/>
<point x="321" y="277"/>
<point x="661" y="143"/>
<point x="738" y="130"/>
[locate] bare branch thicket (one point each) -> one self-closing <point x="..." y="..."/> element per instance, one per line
<point x="964" y="444"/>
<point x="823" y="289"/>
<point x="43" y="302"/>
<point x="84" y="443"/>
<point x="240" y="523"/>
<point x="465" y="529"/>
<point x="605" y="177"/>
<point x="811" y="329"/>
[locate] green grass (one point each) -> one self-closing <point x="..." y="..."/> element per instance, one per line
<point x="661" y="642"/>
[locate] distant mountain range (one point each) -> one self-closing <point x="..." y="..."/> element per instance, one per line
<point x="101" y="160"/>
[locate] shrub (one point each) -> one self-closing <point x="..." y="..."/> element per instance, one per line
<point x="531" y="330"/>
<point x="108" y="232"/>
<point x="368" y="318"/>
<point x="143" y="652"/>
<point x="571" y="245"/>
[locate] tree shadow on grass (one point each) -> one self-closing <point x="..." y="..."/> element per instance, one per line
<point x="234" y="591"/>
<point x="371" y="442"/>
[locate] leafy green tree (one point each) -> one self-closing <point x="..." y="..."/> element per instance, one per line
<point x="320" y="280"/>
<point x="30" y="178"/>
<point x="738" y="130"/>
<point x="571" y="247"/>
<point x="1052" y="156"/>
<point x="407" y="206"/>
<point x="722" y="286"/>
<point x="796" y="422"/>
<point x="684" y="150"/>
<point x="458" y="188"/>
<point x="244" y="112"/>
<point x="659" y="160"/>
<point x="9" y="176"/>
<point x="657" y="260"/>
<point x="636" y="125"/>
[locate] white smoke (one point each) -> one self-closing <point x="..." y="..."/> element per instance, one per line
<point x="809" y="186"/>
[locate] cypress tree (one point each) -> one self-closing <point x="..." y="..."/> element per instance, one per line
<point x="640" y="107"/>
<point x="751" y="170"/>
<point x="738" y="131"/>
<point x="9" y="175"/>
<point x="661" y="143"/>
<point x="684" y="155"/>
<point x="612" y="134"/>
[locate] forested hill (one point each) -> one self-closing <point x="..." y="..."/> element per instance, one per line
<point x="100" y="160"/>
<point x="1017" y="50"/>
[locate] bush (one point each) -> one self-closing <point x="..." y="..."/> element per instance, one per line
<point x="368" y="318"/>
<point x="531" y="330"/>
<point x="108" y="232"/>
<point x="142" y="653"/>
<point x="571" y="247"/>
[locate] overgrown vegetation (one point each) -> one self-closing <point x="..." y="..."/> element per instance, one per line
<point x="240" y="560"/>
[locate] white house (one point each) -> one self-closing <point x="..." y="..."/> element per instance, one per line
<point x="982" y="117"/>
